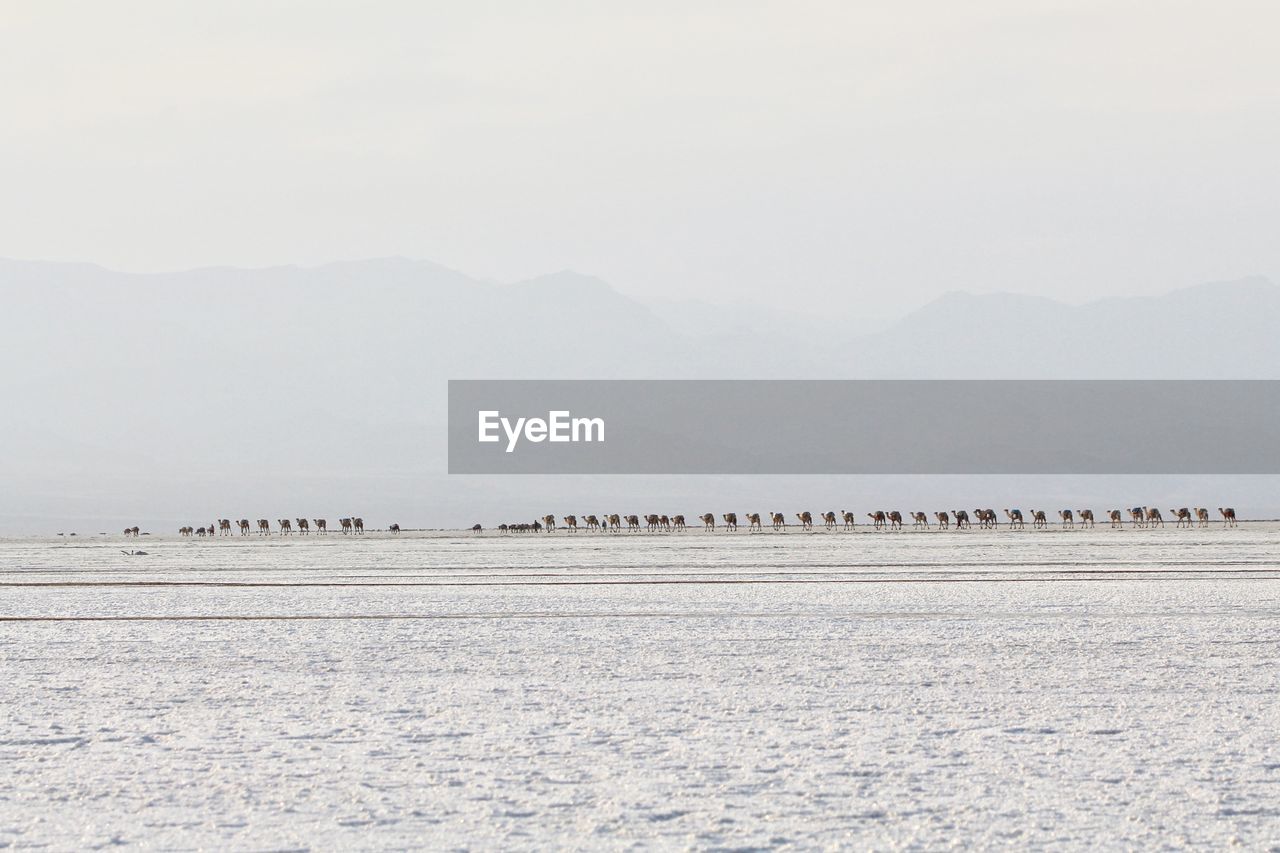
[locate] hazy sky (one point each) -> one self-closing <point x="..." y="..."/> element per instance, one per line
<point x="870" y="154"/>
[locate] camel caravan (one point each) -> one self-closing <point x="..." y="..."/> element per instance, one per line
<point x="830" y="520"/>
<point x="353" y="526"/>
<point x="880" y="520"/>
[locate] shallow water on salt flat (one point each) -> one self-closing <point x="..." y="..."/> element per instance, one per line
<point x="711" y="690"/>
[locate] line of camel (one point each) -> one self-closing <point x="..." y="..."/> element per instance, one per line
<point x="223" y="527"/>
<point x="1139" y="516"/>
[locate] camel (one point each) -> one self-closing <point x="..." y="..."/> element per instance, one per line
<point x="878" y="519"/>
<point x="730" y="521"/>
<point x="358" y="524"/>
<point x="475" y="528"/>
<point x="829" y="520"/>
<point x="200" y="531"/>
<point x="919" y="519"/>
<point x="320" y="526"/>
<point x="986" y="518"/>
<point x="549" y="521"/>
<point x="571" y="522"/>
<point x="395" y="529"/>
<point x="615" y="521"/>
<point x="665" y="521"/>
<point x="944" y="520"/>
<point x="753" y="521"/>
<point x="345" y="523"/>
<point x="184" y="531"/>
<point x="1068" y="518"/>
<point x="264" y="527"/>
<point x="962" y="518"/>
<point x="592" y="522"/>
<point x="1015" y="519"/>
<point x="224" y="527"/>
<point x="1183" y="516"/>
<point x="849" y="523"/>
<point x="304" y="527"/>
<point x="653" y="522"/>
<point x="1153" y="518"/>
<point x="1138" y="516"/>
<point x="678" y="521"/>
<point x="806" y="520"/>
<point x="131" y="531"/>
<point x="502" y="528"/>
<point x="1228" y="516"/>
<point x="779" y="520"/>
<point x="1202" y="516"/>
<point x="1117" y="520"/>
<point x="1038" y="518"/>
<point x="708" y="521"/>
<point x="286" y="526"/>
<point x="243" y="524"/>
<point x="895" y="519"/>
<point x="1086" y="517"/>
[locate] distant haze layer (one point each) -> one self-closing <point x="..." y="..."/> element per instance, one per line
<point x="174" y="399"/>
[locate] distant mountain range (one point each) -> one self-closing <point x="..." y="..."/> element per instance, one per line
<point x="137" y="390"/>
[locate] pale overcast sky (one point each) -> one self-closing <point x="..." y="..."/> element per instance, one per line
<point x="874" y="153"/>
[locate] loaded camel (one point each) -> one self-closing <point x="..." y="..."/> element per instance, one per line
<point x="1228" y="516"/>
<point x="919" y="519"/>
<point x="1015" y="519"/>
<point x="806" y="520"/>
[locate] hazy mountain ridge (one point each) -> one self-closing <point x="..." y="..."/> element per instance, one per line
<point x="164" y="388"/>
